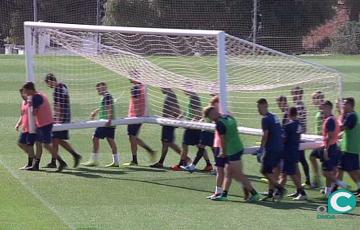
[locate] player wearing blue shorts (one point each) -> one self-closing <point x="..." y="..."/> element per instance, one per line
<point x="298" y="94"/>
<point x="105" y="111"/>
<point x="331" y="154"/>
<point x="44" y="122"/>
<point x="26" y="139"/>
<point x="171" y="109"/>
<point x="350" y="144"/>
<point x="62" y="115"/>
<point x="272" y="143"/>
<point x="289" y="166"/>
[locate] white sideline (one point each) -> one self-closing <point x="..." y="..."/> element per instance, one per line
<point x="310" y="141"/>
<point x="37" y="195"/>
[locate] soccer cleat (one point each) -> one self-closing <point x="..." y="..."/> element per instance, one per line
<point x="62" y="166"/>
<point x="264" y="179"/>
<point x="207" y="168"/>
<point x="293" y="195"/>
<point x="112" y="165"/>
<point x="176" y="168"/>
<point x="190" y="168"/>
<point x="307" y="184"/>
<point x="25" y="167"/>
<point x="91" y="163"/>
<point x="77" y="159"/>
<point x="219" y="198"/>
<point x="300" y="197"/>
<point x="254" y="198"/>
<point x="279" y="194"/>
<point x="264" y="193"/>
<point x="33" y="168"/>
<point x="51" y="165"/>
<point x="212" y="196"/>
<point x="131" y="163"/>
<point x="157" y="165"/>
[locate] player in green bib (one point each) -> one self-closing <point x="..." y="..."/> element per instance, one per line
<point x="350" y="144"/>
<point x="232" y="150"/>
<point x="318" y="99"/>
<point x="105" y="112"/>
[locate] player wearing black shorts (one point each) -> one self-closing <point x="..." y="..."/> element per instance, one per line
<point x="191" y="137"/>
<point x="272" y="144"/>
<point x="62" y="115"/>
<point x="171" y="109"/>
<point x="106" y="112"/>
<point x="289" y="166"/>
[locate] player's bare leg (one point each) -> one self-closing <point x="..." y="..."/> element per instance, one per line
<point x="115" y="155"/>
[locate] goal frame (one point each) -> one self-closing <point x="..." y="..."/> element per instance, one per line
<point x="312" y="141"/>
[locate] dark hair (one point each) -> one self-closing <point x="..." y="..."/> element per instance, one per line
<point x="207" y="110"/>
<point x="281" y="98"/>
<point x="262" y="101"/>
<point x="293" y="111"/>
<point x="50" y="77"/>
<point x="101" y="84"/>
<point x="297" y="90"/>
<point x="21" y="90"/>
<point x="350" y="101"/>
<point x="328" y="103"/>
<point x="29" y="86"/>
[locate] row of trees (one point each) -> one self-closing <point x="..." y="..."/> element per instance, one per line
<point x="277" y="18"/>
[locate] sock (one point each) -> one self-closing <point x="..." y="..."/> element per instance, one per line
<point x="341" y="183"/>
<point x="61" y="161"/>
<point x="147" y="148"/>
<point x="134" y="159"/>
<point x="73" y="153"/>
<point x="182" y="162"/>
<point x="116" y="158"/>
<point x="162" y="158"/>
<point x="218" y="190"/>
<point x="208" y="163"/>
<point x="36" y="163"/>
<point x="224" y="193"/>
<point x="95" y="157"/>
<point x="53" y="160"/>
<point x="30" y="161"/>
<point x="254" y="192"/>
<point x="270" y="192"/>
<point x="199" y="155"/>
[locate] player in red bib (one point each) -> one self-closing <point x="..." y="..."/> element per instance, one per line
<point x="26" y="140"/>
<point x="44" y="122"/>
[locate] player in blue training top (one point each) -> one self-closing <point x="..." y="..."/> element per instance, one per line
<point x="298" y="94"/>
<point x="272" y="144"/>
<point x="289" y="167"/>
<point x="62" y="114"/>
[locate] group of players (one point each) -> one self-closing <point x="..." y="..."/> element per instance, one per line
<point x="278" y="154"/>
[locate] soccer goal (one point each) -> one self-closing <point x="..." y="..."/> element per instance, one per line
<point x="188" y="62"/>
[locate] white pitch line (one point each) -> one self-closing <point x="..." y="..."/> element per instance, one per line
<point x="34" y="193"/>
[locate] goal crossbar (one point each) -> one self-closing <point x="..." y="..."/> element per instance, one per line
<point x="141" y="30"/>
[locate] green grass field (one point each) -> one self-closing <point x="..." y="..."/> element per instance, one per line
<point x="140" y="197"/>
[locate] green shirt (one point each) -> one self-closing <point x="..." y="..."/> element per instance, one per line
<point x="194" y="108"/>
<point x="351" y="137"/>
<point x="319" y="123"/>
<point x="226" y="126"/>
<point x="106" y="101"/>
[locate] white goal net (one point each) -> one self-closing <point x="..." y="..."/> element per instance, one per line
<point x="193" y="64"/>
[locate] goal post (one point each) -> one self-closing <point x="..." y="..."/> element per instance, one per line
<point x="190" y="64"/>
